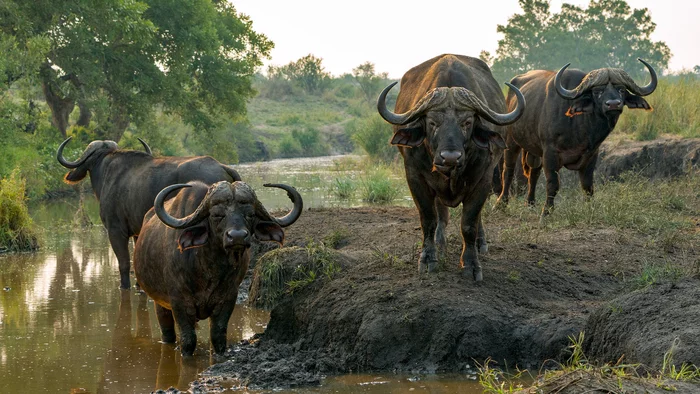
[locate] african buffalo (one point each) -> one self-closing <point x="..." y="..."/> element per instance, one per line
<point x="447" y="109"/>
<point x="567" y="127"/>
<point x="192" y="267"/>
<point x="126" y="182"/>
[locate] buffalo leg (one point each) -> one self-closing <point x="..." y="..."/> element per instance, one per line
<point x="532" y="185"/>
<point x="120" y="246"/>
<point x="218" y="325"/>
<point x="441" y="230"/>
<point x="481" y="239"/>
<point x="585" y="175"/>
<point x="551" y="168"/>
<point x="188" y="336"/>
<point x="167" y="324"/>
<point x="471" y="223"/>
<point x="424" y="199"/>
<point x="510" y="156"/>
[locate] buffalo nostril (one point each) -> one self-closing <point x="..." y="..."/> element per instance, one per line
<point x="450" y="156"/>
<point x="613" y="104"/>
<point x="236" y="234"/>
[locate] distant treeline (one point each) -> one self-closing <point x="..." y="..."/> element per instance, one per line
<point x="120" y="70"/>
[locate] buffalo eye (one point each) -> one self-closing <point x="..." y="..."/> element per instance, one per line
<point x="467" y="124"/>
<point x="432" y="124"/>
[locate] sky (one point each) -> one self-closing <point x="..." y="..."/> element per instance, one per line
<point x="397" y="35"/>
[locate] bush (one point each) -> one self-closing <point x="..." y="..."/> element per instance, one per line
<point x="16" y="232"/>
<point x="377" y="186"/>
<point x="372" y="134"/>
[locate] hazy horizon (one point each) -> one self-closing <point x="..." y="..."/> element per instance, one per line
<point x="396" y="37"/>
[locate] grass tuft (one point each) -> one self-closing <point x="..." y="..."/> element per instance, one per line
<point x="16" y="226"/>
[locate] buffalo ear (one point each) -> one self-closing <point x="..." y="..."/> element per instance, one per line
<point x="410" y="135"/>
<point x="193" y="237"/>
<point x="269" y="231"/>
<point x="580" y="106"/>
<point x="635" y="102"/>
<point x="75" y="175"/>
<point x="483" y="136"/>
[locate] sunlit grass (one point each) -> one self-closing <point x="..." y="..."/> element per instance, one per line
<point x="16" y="226"/>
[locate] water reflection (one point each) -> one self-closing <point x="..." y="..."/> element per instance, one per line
<point x="65" y="326"/>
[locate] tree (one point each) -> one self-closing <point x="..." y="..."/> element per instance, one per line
<point x="606" y="34"/>
<point x="307" y="72"/>
<point x="370" y="82"/>
<point x="119" y="60"/>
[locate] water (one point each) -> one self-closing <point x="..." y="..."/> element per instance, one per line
<point x="66" y="327"/>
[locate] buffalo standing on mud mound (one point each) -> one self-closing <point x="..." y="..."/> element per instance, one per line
<point x="192" y="267"/>
<point x="126" y="182"/>
<point x="443" y="127"/>
<point x="567" y="127"/>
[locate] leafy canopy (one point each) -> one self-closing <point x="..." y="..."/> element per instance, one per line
<point x="606" y="34"/>
<point x="119" y="60"/>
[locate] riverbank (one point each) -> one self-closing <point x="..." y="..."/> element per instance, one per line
<point x="541" y="284"/>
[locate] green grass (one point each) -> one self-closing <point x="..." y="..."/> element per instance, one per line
<point x="660" y="209"/>
<point x="377" y="186"/>
<point x="288" y="270"/>
<point x="676" y="104"/>
<point x="16" y="226"/>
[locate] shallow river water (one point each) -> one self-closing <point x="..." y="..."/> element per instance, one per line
<point x="65" y="327"/>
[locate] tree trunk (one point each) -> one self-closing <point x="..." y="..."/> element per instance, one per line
<point x="61" y="107"/>
<point x="118" y="122"/>
<point x="85" y="115"/>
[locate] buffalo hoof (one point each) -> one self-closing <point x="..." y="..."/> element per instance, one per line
<point x="475" y="273"/>
<point x="428" y="262"/>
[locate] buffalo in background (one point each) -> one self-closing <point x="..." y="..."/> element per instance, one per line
<point x="192" y="266"/>
<point x="446" y="127"/>
<point x="126" y="182"/>
<point x="570" y="115"/>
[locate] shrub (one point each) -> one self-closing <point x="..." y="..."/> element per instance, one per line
<point x="16" y="232"/>
<point x="378" y="187"/>
<point x="373" y="134"/>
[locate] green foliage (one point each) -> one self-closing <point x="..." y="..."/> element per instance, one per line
<point x="676" y="104"/>
<point x="307" y="73"/>
<point x="118" y="60"/>
<point x="606" y="34"/>
<point x="370" y="82"/>
<point x="287" y="270"/>
<point x="377" y="186"/>
<point x="655" y="272"/>
<point x="16" y="227"/>
<point x="373" y="134"/>
<point x="343" y="188"/>
<point x="311" y="142"/>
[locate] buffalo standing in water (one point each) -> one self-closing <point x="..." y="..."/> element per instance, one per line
<point x="192" y="267"/>
<point x="126" y="182"/>
<point x="446" y="129"/>
<point x="566" y="127"/>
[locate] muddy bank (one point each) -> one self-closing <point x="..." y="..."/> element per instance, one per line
<point x="647" y="324"/>
<point x="378" y="314"/>
<point x="661" y="158"/>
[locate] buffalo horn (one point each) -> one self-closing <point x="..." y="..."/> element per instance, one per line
<point x="293" y="195"/>
<point x="504" y="119"/>
<point x="63" y="161"/>
<point x="158" y="205"/>
<point x="564" y="92"/>
<point x="648" y="89"/>
<point x="145" y="146"/>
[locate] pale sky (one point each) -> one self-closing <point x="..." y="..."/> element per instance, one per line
<point x="397" y="35"/>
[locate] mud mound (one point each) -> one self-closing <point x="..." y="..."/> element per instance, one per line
<point x="653" y="159"/>
<point x="646" y="324"/>
<point x="378" y="314"/>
